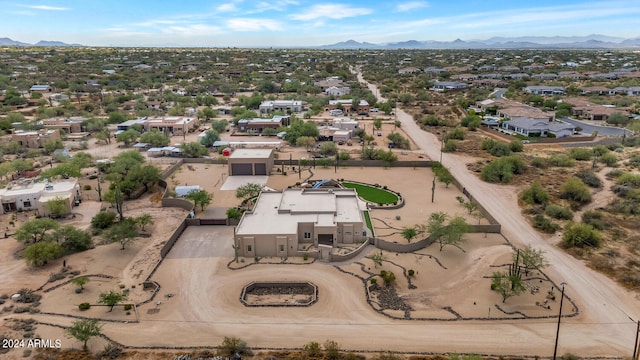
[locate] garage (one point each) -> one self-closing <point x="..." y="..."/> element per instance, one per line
<point x="251" y="162"/>
<point x="261" y="169"/>
<point x="241" y="169"/>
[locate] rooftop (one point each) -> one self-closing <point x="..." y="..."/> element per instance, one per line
<point x="251" y="154"/>
<point x="281" y="212"/>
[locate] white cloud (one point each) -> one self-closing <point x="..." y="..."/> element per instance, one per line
<point x="331" y="11"/>
<point x="250" y="24"/>
<point x="229" y="7"/>
<point x="47" y="7"/>
<point x="192" y="30"/>
<point x="279" y="5"/>
<point x="411" y="5"/>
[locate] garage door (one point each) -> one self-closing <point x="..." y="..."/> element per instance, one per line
<point x="261" y="168"/>
<point x="241" y="169"/>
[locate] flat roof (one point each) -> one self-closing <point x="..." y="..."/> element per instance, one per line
<point x="281" y="212"/>
<point x="251" y="154"/>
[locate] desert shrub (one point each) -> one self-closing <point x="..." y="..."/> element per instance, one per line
<point x="432" y="120"/>
<point x="535" y="194"/>
<point x="516" y="146"/>
<point x="312" y="350"/>
<point x="103" y="220"/>
<point x="613" y="174"/>
<point x="590" y="178"/>
<point x="84" y="306"/>
<point x="500" y="149"/>
<point x="561" y="160"/>
<point x="540" y="163"/>
<point x="388" y="277"/>
<point x="450" y="146"/>
<point x="581" y="235"/>
<point x="609" y="159"/>
<point x="558" y="212"/>
<point x="503" y="169"/>
<point x="487" y="144"/>
<point x="634" y="160"/>
<point x="455" y="134"/>
<point x="594" y="218"/>
<point x="629" y="179"/>
<point x="581" y="154"/>
<point x="627" y="206"/>
<point x="232" y="345"/>
<point x="544" y="224"/>
<point x="331" y="350"/>
<point x="86" y="187"/>
<point x="128" y="306"/>
<point x="575" y="190"/>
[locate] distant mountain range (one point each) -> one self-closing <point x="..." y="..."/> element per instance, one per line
<point x="5" y="41"/>
<point x="525" y="42"/>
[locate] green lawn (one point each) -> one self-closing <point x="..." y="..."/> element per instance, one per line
<point x="367" y="219"/>
<point x="372" y="194"/>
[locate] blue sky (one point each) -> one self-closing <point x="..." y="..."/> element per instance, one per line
<point x="276" y="23"/>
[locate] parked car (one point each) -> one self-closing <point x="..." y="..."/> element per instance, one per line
<point x="340" y="142"/>
<point x="379" y="133"/>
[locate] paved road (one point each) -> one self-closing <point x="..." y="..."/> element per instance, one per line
<point x="498" y="93"/>
<point x="602" y="130"/>
<point x="607" y="311"/>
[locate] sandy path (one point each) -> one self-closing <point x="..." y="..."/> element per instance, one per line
<point x="605" y="305"/>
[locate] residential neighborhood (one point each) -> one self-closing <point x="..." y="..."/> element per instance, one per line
<point x="419" y="192"/>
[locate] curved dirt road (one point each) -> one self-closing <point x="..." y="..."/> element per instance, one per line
<point x="608" y="312"/>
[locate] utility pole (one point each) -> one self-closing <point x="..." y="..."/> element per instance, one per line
<point x="555" y="349"/>
<point x="635" y="344"/>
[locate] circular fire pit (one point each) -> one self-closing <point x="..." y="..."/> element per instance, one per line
<point x="279" y="293"/>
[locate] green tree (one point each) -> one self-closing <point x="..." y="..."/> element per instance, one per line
<point x="52" y="145"/>
<point x="408" y="233"/>
<point x="123" y="232"/>
<point x="83" y="330"/>
<point x="399" y="141"/>
<point x="328" y="148"/>
<point x="453" y="233"/>
<point x="103" y="220"/>
<point x="232" y="345"/>
<point x="436" y="225"/>
<point x="618" y="119"/>
<point x="80" y="281"/>
<point x="146" y="175"/>
<point x="200" y="197"/>
<point x="530" y="258"/>
<point x="387" y="157"/>
<point x="248" y="191"/>
<point x="220" y="125"/>
<point x="104" y="135"/>
<point x="154" y="138"/>
<point x="193" y="150"/>
<point x="127" y="137"/>
<point x="65" y="170"/>
<point x="111" y="298"/>
<point x="506" y="285"/>
<point x="307" y="141"/>
<point x="57" y="207"/>
<point x="209" y="138"/>
<point x="40" y="253"/>
<point x="377" y="123"/>
<point x="234" y="213"/>
<point x="143" y="220"/>
<point x="72" y="239"/>
<point x="35" y="230"/>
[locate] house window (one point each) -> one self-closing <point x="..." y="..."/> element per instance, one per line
<point x="307" y="235"/>
<point x="26" y="204"/>
<point x="281" y="248"/>
<point x="249" y="248"/>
